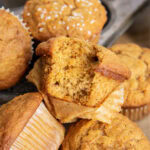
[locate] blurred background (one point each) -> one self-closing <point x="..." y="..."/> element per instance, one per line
<point x="139" y="32"/>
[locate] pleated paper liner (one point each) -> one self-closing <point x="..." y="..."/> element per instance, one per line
<point x="136" y="113"/>
<point x="42" y="132"/>
<point x="68" y="112"/>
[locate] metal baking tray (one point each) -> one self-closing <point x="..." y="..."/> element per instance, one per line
<point x="120" y="14"/>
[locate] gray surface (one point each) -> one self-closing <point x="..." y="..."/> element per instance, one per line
<point x="144" y="124"/>
<point x="123" y="13"/>
<point x="12" y="3"/>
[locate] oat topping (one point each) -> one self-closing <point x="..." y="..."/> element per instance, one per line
<point x="92" y="21"/>
<point x="28" y="14"/>
<point x="80" y="14"/>
<point x="41" y="29"/>
<point x="89" y="32"/>
<point x="67" y="27"/>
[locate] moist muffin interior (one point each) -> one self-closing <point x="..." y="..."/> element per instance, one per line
<point x="79" y="72"/>
<point x="72" y="71"/>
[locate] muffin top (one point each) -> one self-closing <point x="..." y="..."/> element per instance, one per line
<point x="137" y="88"/>
<point x="79" y="72"/>
<point x="15" y="115"/>
<point x="15" y="49"/>
<point x="74" y="18"/>
<point x="121" y="134"/>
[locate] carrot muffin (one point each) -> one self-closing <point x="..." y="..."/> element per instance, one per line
<point x="15" y="49"/>
<point x="137" y="88"/>
<point x="26" y="124"/>
<point x="72" y="18"/>
<point x="79" y="79"/>
<point x="121" y="134"/>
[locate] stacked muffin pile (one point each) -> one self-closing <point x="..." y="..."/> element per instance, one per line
<point x="78" y="82"/>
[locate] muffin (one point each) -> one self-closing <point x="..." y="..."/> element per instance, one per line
<point x="121" y="134"/>
<point x="79" y="79"/>
<point x="71" y="18"/>
<point x="137" y="88"/>
<point x="15" y="49"/>
<point x="26" y="124"/>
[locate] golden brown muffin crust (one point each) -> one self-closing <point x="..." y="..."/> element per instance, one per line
<point x="15" y="50"/>
<point x="14" y="116"/>
<point x="73" y="18"/>
<point x="110" y="66"/>
<point x="138" y="61"/>
<point x="121" y="134"/>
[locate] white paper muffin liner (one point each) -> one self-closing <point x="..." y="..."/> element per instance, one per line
<point x="137" y="113"/>
<point x="23" y="24"/>
<point x="42" y="132"/>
